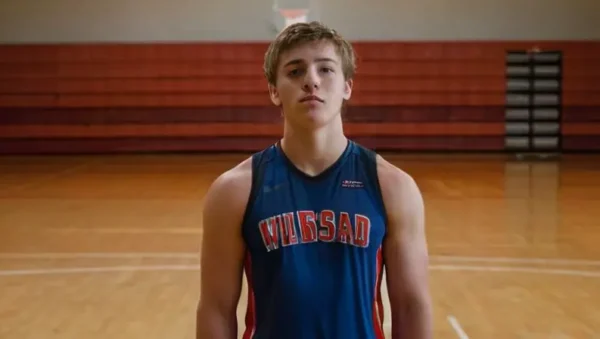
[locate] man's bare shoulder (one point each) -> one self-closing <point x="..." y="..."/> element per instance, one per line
<point x="399" y="189"/>
<point x="391" y="177"/>
<point x="231" y="189"/>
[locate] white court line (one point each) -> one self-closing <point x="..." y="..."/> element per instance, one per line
<point x="100" y="255"/>
<point x="534" y="270"/>
<point x="576" y="273"/>
<point x="457" y="328"/>
<point x="74" y="255"/>
<point x="99" y="270"/>
<point x="467" y="245"/>
<point x="566" y="262"/>
<point x="126" y="230"/>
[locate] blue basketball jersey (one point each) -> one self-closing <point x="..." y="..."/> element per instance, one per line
<point x="314" y="248"/>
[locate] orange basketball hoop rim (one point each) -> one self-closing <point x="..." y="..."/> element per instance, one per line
<point x="294" y="13"/>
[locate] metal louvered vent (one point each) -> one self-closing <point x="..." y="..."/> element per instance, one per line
<point x="533" y="101"/>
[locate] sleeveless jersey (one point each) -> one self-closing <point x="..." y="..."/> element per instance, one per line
<point x="314" y="248"/>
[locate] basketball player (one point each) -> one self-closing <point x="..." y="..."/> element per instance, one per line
<point x="313" y="218"/>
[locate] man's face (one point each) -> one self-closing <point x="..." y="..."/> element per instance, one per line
<point x="310" y="84"/>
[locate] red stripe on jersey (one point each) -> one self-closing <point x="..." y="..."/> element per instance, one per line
<point x="250" y="310"/>
<point x="377" y="303"/>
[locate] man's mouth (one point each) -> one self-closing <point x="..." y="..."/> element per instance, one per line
<point x="311" y="98"/>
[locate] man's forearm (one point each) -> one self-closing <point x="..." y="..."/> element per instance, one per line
<point x="215" y="326"/>
<point x="413" y="320"/>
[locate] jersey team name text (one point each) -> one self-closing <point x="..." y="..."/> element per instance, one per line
<point x="301" y="227"/>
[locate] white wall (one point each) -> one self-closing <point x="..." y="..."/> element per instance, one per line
<point x="189" y="20"/>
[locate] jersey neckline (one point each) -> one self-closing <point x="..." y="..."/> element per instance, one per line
<point x="340" y="160"/>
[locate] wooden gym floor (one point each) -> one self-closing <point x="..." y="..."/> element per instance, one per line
<point x="107" y="246"/>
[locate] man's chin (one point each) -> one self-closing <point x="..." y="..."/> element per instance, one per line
<point x="314" y="119"/>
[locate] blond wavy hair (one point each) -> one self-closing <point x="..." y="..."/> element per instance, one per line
<point x="300" y="33"/>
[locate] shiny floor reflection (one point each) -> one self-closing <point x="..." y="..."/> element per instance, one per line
<point x="107" y="246"/>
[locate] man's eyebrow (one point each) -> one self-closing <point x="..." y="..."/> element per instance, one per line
<point x="326" y="59"/>
<point x="299" y="61"/>
<point x="293" y="62"/>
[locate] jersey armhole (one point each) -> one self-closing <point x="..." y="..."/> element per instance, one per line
<point x="371" y="167"/>
<point x="257" y="179"/>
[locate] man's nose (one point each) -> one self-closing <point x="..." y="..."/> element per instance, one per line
<point x="311" y="80"/>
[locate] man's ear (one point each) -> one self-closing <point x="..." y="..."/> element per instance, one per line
<point x="348" y="89"/>
<point x="274" y="95"/>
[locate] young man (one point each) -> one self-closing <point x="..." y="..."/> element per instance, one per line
<point x="314" y="218"/>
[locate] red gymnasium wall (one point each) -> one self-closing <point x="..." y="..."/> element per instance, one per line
<point x="212" y="96"/>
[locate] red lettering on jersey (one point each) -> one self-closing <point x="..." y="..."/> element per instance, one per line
<point x="362" y="231"/>
<point x="327" y="223"/>
<point x="345" y="229"/>
<point x="308" y="226"/>
<point x="288" y="229"/>
<point x="269" y="232"/>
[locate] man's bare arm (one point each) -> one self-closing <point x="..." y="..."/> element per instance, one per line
<point x="406" y="255"/>
<point x="222" y="254"/>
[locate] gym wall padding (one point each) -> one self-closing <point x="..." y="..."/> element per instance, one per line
<point x="57" y="98"/>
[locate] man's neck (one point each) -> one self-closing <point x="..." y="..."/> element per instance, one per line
<point x="313" y="152"/>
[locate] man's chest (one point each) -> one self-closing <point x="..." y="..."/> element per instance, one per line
<point x="285" y="218"/>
